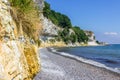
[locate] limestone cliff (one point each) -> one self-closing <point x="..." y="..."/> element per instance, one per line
<point x="58" y="27"/>
<point x="49" y="29"/>
<point x="91" y="38"/>
<point x="18" y="60"/>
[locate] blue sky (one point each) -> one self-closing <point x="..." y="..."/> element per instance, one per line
<point x="100" y="16"/>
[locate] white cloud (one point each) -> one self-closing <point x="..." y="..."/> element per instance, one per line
<point x="111" y="33"/>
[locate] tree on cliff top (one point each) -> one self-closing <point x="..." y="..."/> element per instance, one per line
<point x="64" y="22"/>
<point x="81" y="36"/>
<point x="56" y="17"/>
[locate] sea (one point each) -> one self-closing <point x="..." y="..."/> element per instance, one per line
<point x="107" y="57"/>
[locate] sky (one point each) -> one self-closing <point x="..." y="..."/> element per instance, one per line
<point x="100" y="16"/>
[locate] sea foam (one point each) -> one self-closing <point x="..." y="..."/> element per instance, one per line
<point x="87" y="61"/>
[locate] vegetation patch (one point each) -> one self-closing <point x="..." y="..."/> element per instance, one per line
<point x="56" y="17"/>
<point x="32" y="60"/>
<point x="64" y="22"/>
<point x="25" y="14"/>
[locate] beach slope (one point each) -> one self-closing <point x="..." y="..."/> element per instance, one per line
<point x="57" y="67"/>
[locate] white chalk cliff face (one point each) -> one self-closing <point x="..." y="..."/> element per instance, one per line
<point x="91" y="38"/>
<point x="13" y="61"/>
<point x="49" y="30"/>
<point x="48" y="27"/>
<point x="40" y="4"/>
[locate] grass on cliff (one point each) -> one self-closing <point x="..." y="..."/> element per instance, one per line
<point x="26" y="15"/>
<point x="23" y="5"/>
<point x="32" y="60"/>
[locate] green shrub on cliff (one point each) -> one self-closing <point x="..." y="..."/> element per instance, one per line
<point x="64" y="22"/>
<point x="81" y="36"/>
<point x="56" y="17"/>
<point x="64" y="35"/>
<point x="46" y="10"/>
<point x="23" y="5"/>
<point x="73" y="38"/>
<point x="77" y="36"/>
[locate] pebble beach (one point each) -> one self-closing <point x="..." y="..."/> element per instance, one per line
<point x="57" y="67"/>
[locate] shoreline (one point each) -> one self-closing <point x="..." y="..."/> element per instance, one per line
<point x="85" y="61"/>
<point x="59" y="67"/>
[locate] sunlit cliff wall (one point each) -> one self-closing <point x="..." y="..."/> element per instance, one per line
<point x="18" y="59"/>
